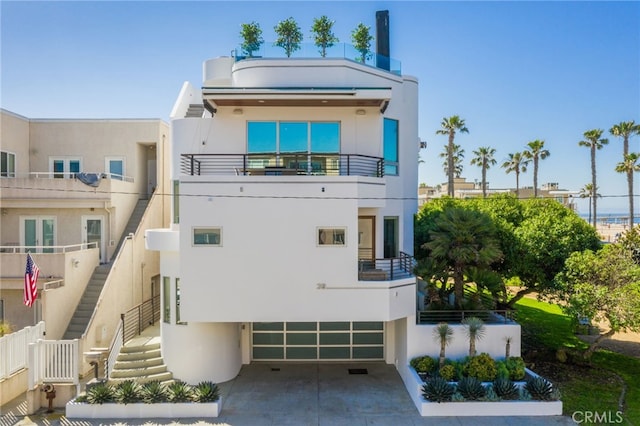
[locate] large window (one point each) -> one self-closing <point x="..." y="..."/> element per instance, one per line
<point x="390" y="147"/>
<point x="178" y="321"/>
<point x="176" y="201"/>
<point x="166" y="299"/>
<point x="7" y="164"/>
<point x="312" y="147"/>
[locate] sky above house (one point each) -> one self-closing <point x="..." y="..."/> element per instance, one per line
<point x="514" y="71"/>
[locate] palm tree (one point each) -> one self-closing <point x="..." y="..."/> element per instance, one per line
<point x="444" y="334"/>
<point x="536" y="152"/>
<point x="593" y="141"/>
<point x="628" y="166"/>
<point x="484" y="158"/>
<point x="625" y="130"/>
<point x="587" y="192"/>
<point x="516" y="163"/>
<point x="474" y="327"/>
<point x="458" y="156"/>
<point x="460" y="241"/>
<point x="449" y="127"/>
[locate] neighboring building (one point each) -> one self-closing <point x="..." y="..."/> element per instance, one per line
<point x="464" y="189"/>
<point x="69" y="188"/>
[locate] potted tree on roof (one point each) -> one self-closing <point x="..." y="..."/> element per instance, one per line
<point x="251" y="34"/>
<point x="289" y="36"/>
<point x="322" y="34"/>
<point x="361" y="38"/>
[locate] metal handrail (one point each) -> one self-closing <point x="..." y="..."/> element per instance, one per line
<point x="136" y="319"/>
<point x="282" y="164"/>
<point x="387" y="269"/>
<point x="457" y="316"/>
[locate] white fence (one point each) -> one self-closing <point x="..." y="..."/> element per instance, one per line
<point x="54" y="361"/>
<point x="14" y="354"/>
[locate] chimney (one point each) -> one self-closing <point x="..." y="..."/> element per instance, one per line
<point x="382" y="40"/>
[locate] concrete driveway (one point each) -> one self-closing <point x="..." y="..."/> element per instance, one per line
<point x="300" y="394"/>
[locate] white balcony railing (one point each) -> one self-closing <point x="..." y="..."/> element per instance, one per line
<point x="47" y="249"/>
<point x="14" y="349"/>
<point x="55" y="361"/>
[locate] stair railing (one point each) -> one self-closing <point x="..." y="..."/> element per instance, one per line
<point x="114" y="350"/>
<point x="139" y="317"/>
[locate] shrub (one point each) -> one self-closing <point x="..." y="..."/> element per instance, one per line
<point x="516" y="367"/>
<point x="502" y="370"/>
<point x="206" y="392"/>
<point x="154" y="392"/>
<point x="482" y="367"/>
<point x="448" y="372"/>
<point x="423" y="364"/>
<point x="100" y="394"/>
<point x="437" y="390"/>
<point x="128" y="392"/>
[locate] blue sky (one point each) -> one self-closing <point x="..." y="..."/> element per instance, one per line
<point x="515" y="71"/>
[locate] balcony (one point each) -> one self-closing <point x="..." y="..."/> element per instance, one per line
<point x="310" y="50"/>
<point x="386" y="269"/>
<point x="281" y="165"/>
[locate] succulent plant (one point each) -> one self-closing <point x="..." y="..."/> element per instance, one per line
<point x="457" y="397"/>
<point x="128" y="392"/>
<point x="540" y="389"/>
<point x="179" y="391"/>
<point x="516" y="367"/>
<point x="491" y="395"/>
<point x="423" y="364"/>
<point x="100" y="393"/>
<point x="154" y="392"/>
<point x="437" y="390"/>
<point x="471" y="388"/>
<point x="206" y="392"/>
<point x="505" y="389"/>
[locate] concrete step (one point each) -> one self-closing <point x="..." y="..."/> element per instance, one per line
<point x="136" y="356"/>
<point x="117" y="373"/>
<point x="128" y="348"/>
<point x="161" y="377"/>
<point x="139" y="363"/>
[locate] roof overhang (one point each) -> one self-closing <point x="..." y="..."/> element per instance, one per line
<point x="298" y="97"/>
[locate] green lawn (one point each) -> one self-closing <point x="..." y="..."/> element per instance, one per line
<point x="594" y="388"/>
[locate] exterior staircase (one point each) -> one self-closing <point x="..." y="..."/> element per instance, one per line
<point x="195" y="110"/>
<point x="80" y="319"/>
<point x="140" y="359"/>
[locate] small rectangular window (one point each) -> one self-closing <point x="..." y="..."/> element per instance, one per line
<point x="207" y="236"/>
<point x="176" y="201"/>
<point x="332" y="236"/>
<point x="178" y="321"/>
<point x="390" y="147"/>
<point x="166" y="299"/>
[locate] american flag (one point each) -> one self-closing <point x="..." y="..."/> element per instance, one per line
<point x="30" y="279"/>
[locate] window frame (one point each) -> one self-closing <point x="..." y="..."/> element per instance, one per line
<point x="206" y="228"/>
<point x="166" y="300"/>
<point x="107" y="167"/>
<point x="332" y="229"/>
<point x="8" y="173"/>
<point x="391" y="167"/>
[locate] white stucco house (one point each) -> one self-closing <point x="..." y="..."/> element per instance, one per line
<point x="294" y="186"/>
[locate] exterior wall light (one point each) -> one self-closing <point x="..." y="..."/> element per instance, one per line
<point x="361" y="112"/>
<point x="238" y="111"/>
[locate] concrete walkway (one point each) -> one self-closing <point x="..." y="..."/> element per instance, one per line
<point x="318" y="394"/>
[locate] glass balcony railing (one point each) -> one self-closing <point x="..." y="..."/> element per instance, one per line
<point x="310" y="50"/>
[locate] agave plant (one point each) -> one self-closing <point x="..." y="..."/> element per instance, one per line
<point x="100" y="394"/>
<point x="471" y="388"/>
<point x="540" y="389"/>
<point x="505" y="389"/>
<point x="437" y="390"/>
<point x="206" y="392"/>
<point x="154" y="392"/>
<point x="179" y="391"/>
<point x="128" y="392"/>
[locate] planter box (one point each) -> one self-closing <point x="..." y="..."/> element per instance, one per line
<point x="499" y="408"/>
<point x="81" y="410"/>
<point x="480" y="408"/>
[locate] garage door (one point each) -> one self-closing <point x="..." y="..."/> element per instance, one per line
<point x="303" y="341"/>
